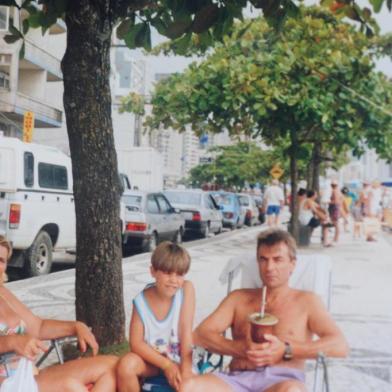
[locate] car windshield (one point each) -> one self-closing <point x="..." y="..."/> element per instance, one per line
<point x="184" y="198"/>
<point x="223" y="199"/>
<point x="244" y="200"/>
<point x="132" y="200"/>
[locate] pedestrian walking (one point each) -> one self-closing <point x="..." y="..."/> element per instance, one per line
<point x="274" y="201"/>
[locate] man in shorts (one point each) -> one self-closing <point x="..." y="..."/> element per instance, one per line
<point x="278" y="364"/>
<point x="273" y="200"/>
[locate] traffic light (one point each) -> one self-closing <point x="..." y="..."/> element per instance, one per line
<point x="28" y="127"/>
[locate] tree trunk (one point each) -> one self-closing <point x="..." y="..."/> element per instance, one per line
<point x="316" y="162"/>
<point x="87" y="103"/>
<point x="294" y="227"/>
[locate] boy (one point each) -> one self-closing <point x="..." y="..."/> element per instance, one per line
<point x="160" y="333"/>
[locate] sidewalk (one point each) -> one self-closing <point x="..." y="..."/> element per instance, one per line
<point x="361" y="303"/>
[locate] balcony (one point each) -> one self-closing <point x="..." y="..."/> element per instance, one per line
<point x="36" y="58"/>
<point x="14" y="105"/>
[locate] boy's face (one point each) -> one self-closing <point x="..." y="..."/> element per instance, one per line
<point x="167" y="283"/>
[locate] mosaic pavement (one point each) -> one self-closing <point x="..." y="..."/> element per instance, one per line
<point x="361" y="304"/>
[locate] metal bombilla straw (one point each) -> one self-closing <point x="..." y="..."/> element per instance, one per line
<point x="263" y="301"/>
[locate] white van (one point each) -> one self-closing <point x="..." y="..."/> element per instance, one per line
<point x="37" y="212"/>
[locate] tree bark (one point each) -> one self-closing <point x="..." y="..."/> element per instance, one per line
<point x="316" y="162"/>
<point x="294" y="226"/>
<point x="87" y="103"/>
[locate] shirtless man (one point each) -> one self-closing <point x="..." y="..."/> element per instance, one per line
<point x="275" y="366"/>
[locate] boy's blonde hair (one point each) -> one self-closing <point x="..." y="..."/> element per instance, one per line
<point x="171" y="257"/>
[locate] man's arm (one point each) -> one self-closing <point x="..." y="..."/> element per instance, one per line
<point x="331" y="341"/>
<point x="209" y="334"/>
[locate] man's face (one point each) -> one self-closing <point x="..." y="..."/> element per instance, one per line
<point x="275" y="264"/>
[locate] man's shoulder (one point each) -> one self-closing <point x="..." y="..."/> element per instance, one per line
<point x="243" y="294"/>
<point x="305" y="298"/>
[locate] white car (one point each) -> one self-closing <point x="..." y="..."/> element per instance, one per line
<point x="149" y="219"/>
<point x="248" y="204"/>
<point x="202" y="215"/>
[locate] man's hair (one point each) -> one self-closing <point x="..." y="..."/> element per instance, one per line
<point x="301" y="192"/>
<point x="273" y="237"/>
<point x="171" y="257"/>
<point x="310" y="194"/>
<point x="5" y="244"/>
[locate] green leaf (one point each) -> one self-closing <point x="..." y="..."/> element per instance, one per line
<point x="205" y="18"/>
<point x="130" y="38"/>
<point x="22" y="51"/>
<point x="25" y="26"/>
<point x="15" y="31"/>
<point x="10" y="39"/>
<point x="123" y="28"/>
<point x="377" y="4"/>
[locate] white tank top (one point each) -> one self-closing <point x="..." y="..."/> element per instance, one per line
<point x="304" y="215"/>
<point x="161" y="335"/>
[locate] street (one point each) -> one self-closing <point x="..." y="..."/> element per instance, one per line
<point x="360" y="301"/>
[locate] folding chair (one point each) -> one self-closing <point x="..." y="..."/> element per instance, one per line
<point x="312" y="273"/>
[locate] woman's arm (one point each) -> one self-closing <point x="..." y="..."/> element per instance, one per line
<point x="50" y="329"/>
<point x="186" y="326"/>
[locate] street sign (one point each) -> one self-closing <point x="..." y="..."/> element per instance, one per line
<point x="28" y="127"/>
<point x="276" y="172"/>
<point x="205" y="160"/>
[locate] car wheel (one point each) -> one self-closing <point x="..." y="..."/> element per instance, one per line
<point x="39" y="256"/>
<point x="206" y="231"/>
<point x="152" y="243"/>
<point x="178" y="236"/>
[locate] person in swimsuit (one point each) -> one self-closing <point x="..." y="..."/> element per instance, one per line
<point x="278" y="364"/>
<point x="23" y="333"/>
<point x="335" y="208"/>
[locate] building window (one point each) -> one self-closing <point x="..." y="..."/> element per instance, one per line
<point x="4" y="80"/>
<point x="52" y="176"/>
<point x="4" y="18"/>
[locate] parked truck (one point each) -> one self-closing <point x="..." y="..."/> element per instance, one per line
<point x="144" y="167"/>
<point x="37" y="209"/>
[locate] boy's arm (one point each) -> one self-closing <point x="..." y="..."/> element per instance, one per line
<point x="209" y="334"/>
<point x="186" y="326"/>
<point x="140" y="347"/>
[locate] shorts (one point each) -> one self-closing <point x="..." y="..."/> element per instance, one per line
<point x="260" y="379"/>
<point x="273" y="210"/>
<point x="314" y="222"/>
<point x="334" y="212"/>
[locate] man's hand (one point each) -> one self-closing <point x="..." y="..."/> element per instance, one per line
<point x="85" y="338"/>
<point x="27" y="346"/>
<point x="268" y="353"/>
<point x="173" y="375"/>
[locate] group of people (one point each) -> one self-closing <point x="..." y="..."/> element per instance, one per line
<point x="161" y="334"/>
<point x="365" y="209"/>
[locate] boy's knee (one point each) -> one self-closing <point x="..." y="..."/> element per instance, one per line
<point x="129" y="365"/>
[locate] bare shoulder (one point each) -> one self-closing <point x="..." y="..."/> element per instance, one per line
<point x="243" y="295"/>
<point x="308" y="299"/>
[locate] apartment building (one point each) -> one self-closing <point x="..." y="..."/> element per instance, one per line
<point x="24" y="82"/>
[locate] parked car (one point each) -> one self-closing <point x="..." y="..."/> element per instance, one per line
<point x="260" y="205"/>
<point x="249" y="206"/>
<point x="149" y="218"/>
<point x="233" y="216"/>
<point x="202" y="215"/>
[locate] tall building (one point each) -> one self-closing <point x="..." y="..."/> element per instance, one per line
<point x="25" y="83"/>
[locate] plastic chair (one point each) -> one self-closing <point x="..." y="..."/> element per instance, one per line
<point x="312" y="273"/>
